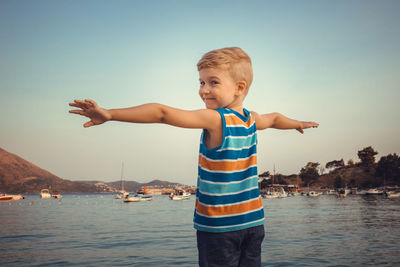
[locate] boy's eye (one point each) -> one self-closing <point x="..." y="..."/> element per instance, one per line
<point x="214" y="82"/>
<point x="202" y="83"/>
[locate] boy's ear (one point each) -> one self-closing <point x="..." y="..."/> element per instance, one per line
<point x="241" y="87"/>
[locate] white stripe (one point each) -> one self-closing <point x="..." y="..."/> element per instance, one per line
<point x="230" y="215"/>
<point x="228" y="183"/>
<point x="239" y="126"/>
<point x="228" y="194"/>
<point x="230" y="204"/>
<point x="240" y="137"/>
<point x="214" y="171"/>
<point x="233" y="148"/>
<point x="230" y="226"/>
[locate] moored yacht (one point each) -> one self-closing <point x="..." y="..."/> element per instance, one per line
<point x="179" y="194"/>
<point x="138" y="198"/>
<point x="374" y="191"/>
<point x="6" y="197"/>
<point x="45" y="193"/>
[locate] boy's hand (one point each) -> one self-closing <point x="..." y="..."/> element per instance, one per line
<point x="307" y="124"/>
<point x="90" y="109"/>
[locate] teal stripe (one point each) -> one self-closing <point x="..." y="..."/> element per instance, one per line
<point x="227" y="188"/>
<point x="240" y="142"/>
<point x="228" y="229"/>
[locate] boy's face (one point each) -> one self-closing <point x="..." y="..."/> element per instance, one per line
<point x="218" y="89"/>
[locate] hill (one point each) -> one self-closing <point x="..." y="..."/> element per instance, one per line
<point x="18" y="175"/>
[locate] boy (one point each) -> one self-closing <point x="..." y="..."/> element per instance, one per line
<point x="229" y="215"/>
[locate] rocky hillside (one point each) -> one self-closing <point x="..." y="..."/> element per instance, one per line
<point x="20" y="176"/>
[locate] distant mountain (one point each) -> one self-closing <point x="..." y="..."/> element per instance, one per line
<point x="20" y="176"/>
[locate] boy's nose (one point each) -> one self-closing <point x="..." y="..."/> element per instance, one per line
<point x="204" y="90"/>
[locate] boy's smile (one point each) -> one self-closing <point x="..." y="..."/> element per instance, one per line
<point x="218" y="89"/>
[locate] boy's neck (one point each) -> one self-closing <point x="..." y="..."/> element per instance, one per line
<point x="238" y="109"/>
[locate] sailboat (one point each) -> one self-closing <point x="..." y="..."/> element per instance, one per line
<point x="122" y="193"/>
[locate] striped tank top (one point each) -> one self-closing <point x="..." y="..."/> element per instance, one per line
<point x="227" y="195"/>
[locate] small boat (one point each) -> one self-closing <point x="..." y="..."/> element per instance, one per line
<point x="138" y="198"/>
<point x="393" y="194"/>
<point x="313" y="194"/>
<point x="374" y="192"/>
<point x="45" y="193"/>
<point x="6" y="197"/>
<point x="179" y="194"/>
<point x="275" y="193"/>
<point x="360" y="192"/>
<point x="331" y="192"/>
<point x="56" y="195"/>
<point x="270" y="195"/>
<point x="343" y="192"/>
<point x="122" y="193"/>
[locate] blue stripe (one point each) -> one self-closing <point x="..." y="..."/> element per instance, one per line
<point x="227" y="188"/>
<point x="239" y="143"/>
<point x="228" y="221"/>
<point x="228" y="199"/>
<point x="227" y="177"/>
<point x="240" y="131"/>
<point x="229" y="154"/>
<point x="231" y="228"/>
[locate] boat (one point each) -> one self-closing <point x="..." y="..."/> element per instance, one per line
<point x="6" y="197"/>
<point x="343" y="192"/>
<point x="122" y="193"/>
<point x="393" y="194"/>
<point x="138" y="198"/>
<point x="45" y="193"/>
<point x="179" y="194"/>
<point x="275" y="193"/>
<point x="359" y="192"/>
<point x="313" y="194"/>
<point x="331" y="192"/>
<point x="374" y="192"/>
<point x="56" y="195"/>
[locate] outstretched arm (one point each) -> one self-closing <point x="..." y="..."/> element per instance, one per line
<point x="147" y="113"/>
<point x="278" y="121"/>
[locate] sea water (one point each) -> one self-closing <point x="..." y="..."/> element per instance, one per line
<point x="97" y="230"/>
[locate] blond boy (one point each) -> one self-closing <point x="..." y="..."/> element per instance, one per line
<point x="229" y="215"/>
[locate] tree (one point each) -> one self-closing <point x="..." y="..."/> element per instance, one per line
<point x="338" y="182"/>
<point x="334" y="164"/>
<point x="389" y="167"/>
<point x="350" y="163"/>
<point x="265" y="174"/>
<point x="367" y="156"/>
<point x="309" y="173"/>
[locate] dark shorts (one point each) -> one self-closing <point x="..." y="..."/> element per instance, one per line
<point x="236" y="248"/>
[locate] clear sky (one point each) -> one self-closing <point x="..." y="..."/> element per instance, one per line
<point x="333" y="62"/>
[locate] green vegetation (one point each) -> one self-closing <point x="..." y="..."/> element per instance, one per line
<point x="363" y="174"/>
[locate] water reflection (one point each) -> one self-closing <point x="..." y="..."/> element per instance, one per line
<point x="97" y="230"/>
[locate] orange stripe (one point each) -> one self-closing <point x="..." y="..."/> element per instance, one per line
<point x="227" y="165"/>
<point x="229" y="210"/>
<point x="234" y="120"/>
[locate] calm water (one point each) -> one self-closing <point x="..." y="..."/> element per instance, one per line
<point x="97" y="230"/>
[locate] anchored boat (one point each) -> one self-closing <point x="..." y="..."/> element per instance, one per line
<point x="179" y="194"/>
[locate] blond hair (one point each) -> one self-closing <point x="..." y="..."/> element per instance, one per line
<point x="232" y="59"/>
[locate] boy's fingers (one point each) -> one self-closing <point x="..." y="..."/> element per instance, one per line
<point x="91" y="102"/>
<point x="74" y="105"/>
<point x="88" y="124"/>
<point x="77" y="111"/>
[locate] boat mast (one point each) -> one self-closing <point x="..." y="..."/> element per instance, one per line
<point x="273" y="177"/>
<point x="122" y="177"/>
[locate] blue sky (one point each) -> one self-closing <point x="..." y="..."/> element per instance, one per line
<point x="334" y="62"/>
